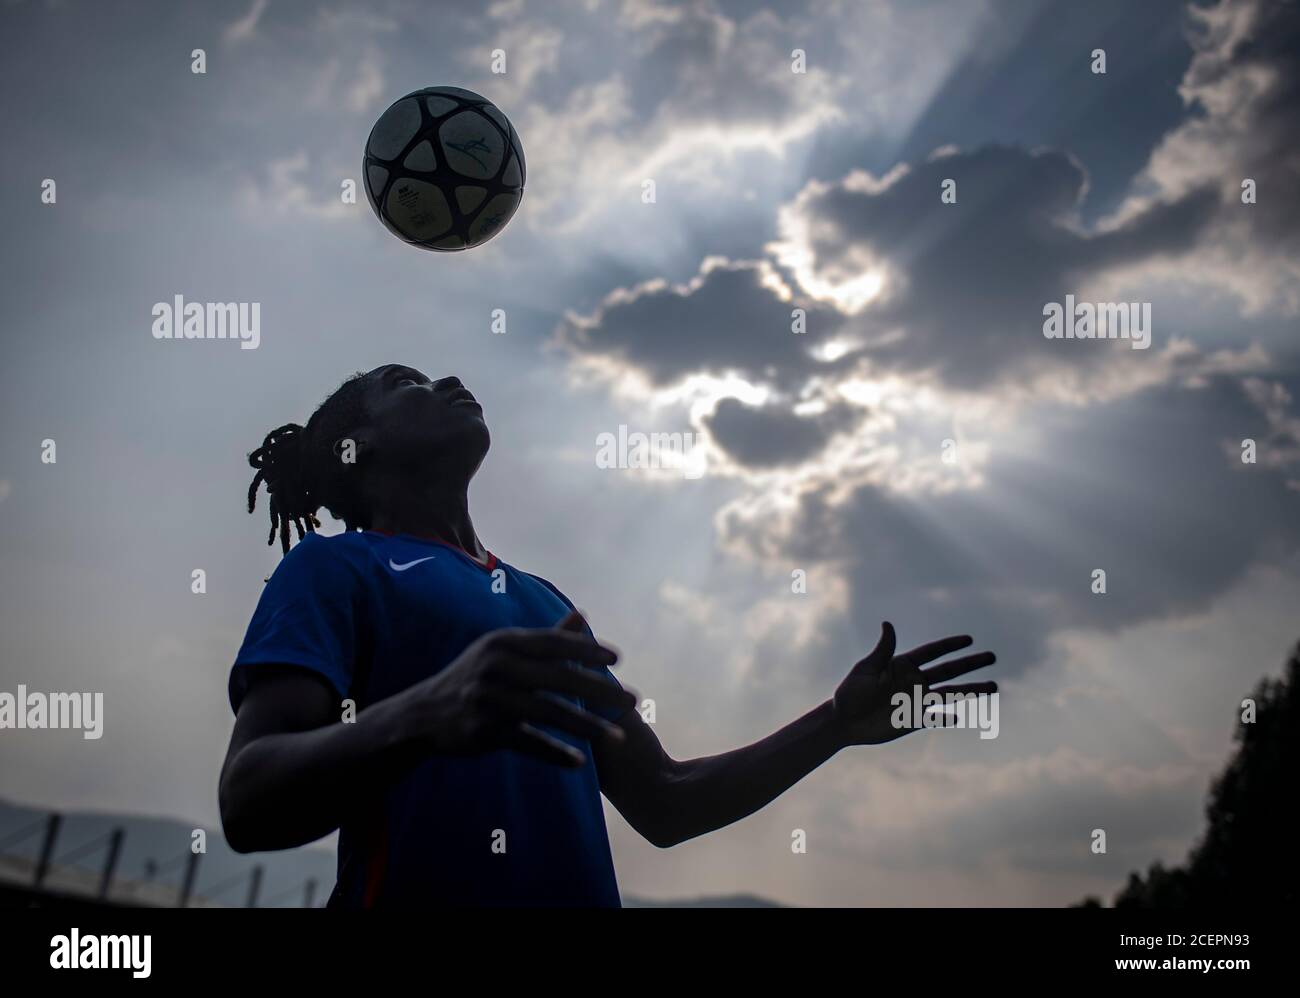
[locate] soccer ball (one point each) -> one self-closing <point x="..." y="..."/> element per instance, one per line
<point x="444" y="169"/>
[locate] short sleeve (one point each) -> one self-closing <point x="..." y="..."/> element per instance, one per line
<point x="306" y="617"/>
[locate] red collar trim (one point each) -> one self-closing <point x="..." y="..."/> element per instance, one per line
<point x="488" y="566"/>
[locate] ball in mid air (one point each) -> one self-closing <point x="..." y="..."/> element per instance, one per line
<point x="444" y="169"/>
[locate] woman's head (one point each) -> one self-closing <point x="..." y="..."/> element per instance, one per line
<point x="380" y="435"/>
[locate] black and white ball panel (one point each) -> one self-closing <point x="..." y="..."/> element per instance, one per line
<point x="444" y="169"/>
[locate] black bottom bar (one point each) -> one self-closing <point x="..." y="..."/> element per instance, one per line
<point x="938" y="948"/>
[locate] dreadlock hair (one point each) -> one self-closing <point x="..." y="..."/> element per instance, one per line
<point x="301" y="472"/>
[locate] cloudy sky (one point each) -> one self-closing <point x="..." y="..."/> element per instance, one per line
<point x="775" y="191"/>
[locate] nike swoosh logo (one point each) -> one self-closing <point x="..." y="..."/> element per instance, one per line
<point x="402" y="568"/>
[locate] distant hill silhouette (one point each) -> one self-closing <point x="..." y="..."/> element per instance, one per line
<point x="721" y="901"/>
<point x="1247" y="856"/>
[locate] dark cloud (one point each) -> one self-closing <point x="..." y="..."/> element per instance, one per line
<point x="771" y="436"/>
<point x="1245" y="79"/>
<point x="969" y="280"/>
<point x="968" y="285"/>
<point x="725" y="320"/>
<point x="1111" y="122"/>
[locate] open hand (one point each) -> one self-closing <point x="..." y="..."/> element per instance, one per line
<point x="863" y="707"/>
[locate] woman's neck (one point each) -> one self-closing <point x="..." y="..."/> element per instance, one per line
<point x="441" y="515"/>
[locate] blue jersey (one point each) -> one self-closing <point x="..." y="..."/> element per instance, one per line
<point x="374" y="613"/>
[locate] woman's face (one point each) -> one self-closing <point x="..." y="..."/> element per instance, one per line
<point x="415" y="423"/>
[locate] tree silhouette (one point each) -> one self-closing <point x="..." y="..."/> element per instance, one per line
<point x="1247" y="855"/>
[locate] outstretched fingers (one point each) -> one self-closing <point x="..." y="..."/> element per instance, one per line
<point x="922" y="654"/>
<point x="958" y="666"/>
<point x="966" y="689"/>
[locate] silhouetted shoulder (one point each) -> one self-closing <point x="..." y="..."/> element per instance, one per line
<point x="551" y="586"/>
<point x="322" y="555"/>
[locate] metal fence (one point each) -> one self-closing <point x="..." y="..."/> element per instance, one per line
<point x="27" y="883"/>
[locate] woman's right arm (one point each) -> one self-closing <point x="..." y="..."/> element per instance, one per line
<point x="293" y="770"/>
